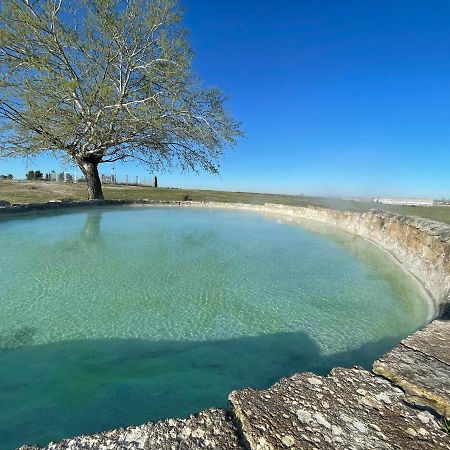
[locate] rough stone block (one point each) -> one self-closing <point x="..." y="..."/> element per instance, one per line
<point x="350" y="409"/>
<point x="420" y="364"/>
<point x="433" y="340"/>
<point x="209" y="430"/>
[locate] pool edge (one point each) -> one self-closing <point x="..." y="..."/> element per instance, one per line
<point x="421" y="245"/>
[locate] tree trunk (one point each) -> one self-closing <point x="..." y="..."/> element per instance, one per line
<point x="94" y="185"/>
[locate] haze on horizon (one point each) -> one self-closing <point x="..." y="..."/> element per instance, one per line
<point x="336" y="99"/>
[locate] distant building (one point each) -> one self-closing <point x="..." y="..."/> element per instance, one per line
<point x="405" y="201"/>
<point x="65" y="177"/>
<point x="442" y="202"/>
<point x="108" y="179"/>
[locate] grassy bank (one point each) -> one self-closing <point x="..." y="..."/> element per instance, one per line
<point x="40" y="191"/>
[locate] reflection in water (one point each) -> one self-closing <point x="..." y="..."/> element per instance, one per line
<point x="88" y="238"/>
<point x="92" y="231"/>
<point x="84" y="238"/>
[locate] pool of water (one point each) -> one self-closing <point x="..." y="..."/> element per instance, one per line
<point x="112" y="317"/>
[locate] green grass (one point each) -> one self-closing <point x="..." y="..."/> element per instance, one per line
<point x="445" y="425"/>
<point x="34" y="192"/>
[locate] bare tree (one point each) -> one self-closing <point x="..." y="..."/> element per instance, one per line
<point x="96" y="81"/>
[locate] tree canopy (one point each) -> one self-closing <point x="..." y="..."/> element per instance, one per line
<point x="34" y="175"/>
<point x="95" y="81"/>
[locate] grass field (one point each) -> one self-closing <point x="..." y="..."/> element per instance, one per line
<point x="41" y="191"/>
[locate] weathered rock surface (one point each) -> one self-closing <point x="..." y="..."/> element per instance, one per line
<point x="420" y="364"/>
<point x="209" y="430"/>
<point x="433" y="340"/>
<point x="350" y="409"/>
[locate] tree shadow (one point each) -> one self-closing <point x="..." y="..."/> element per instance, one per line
<point x="50" y="392"/>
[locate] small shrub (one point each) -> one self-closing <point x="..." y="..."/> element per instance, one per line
<point x="445" y="425"/>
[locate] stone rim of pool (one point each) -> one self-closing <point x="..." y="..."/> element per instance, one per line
<point x="420" y="245"/>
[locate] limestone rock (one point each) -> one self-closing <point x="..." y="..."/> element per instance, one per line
<point x="434" y="340"/>
<point x="209" y="430"/>
<point x="420" y="364"/>
<point x="365" y="411"/>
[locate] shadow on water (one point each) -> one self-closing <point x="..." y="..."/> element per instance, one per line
<point x="49" y="392"/>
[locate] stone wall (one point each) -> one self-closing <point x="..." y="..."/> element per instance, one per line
<point x="420" y="245"/>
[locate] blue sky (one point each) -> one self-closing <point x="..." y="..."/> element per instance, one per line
<point x="341" y="98"/>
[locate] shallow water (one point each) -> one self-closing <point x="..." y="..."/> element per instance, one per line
<point x="112" y="317"/>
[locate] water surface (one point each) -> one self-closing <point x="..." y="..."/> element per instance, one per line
<point x="112" y="317"/>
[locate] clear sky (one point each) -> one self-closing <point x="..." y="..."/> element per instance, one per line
<point x="341" y="98"/>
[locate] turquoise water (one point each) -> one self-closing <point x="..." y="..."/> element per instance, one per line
<point x="112" y="317"/>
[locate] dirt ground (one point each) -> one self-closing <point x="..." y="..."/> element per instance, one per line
<point x="42" y="191"/>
